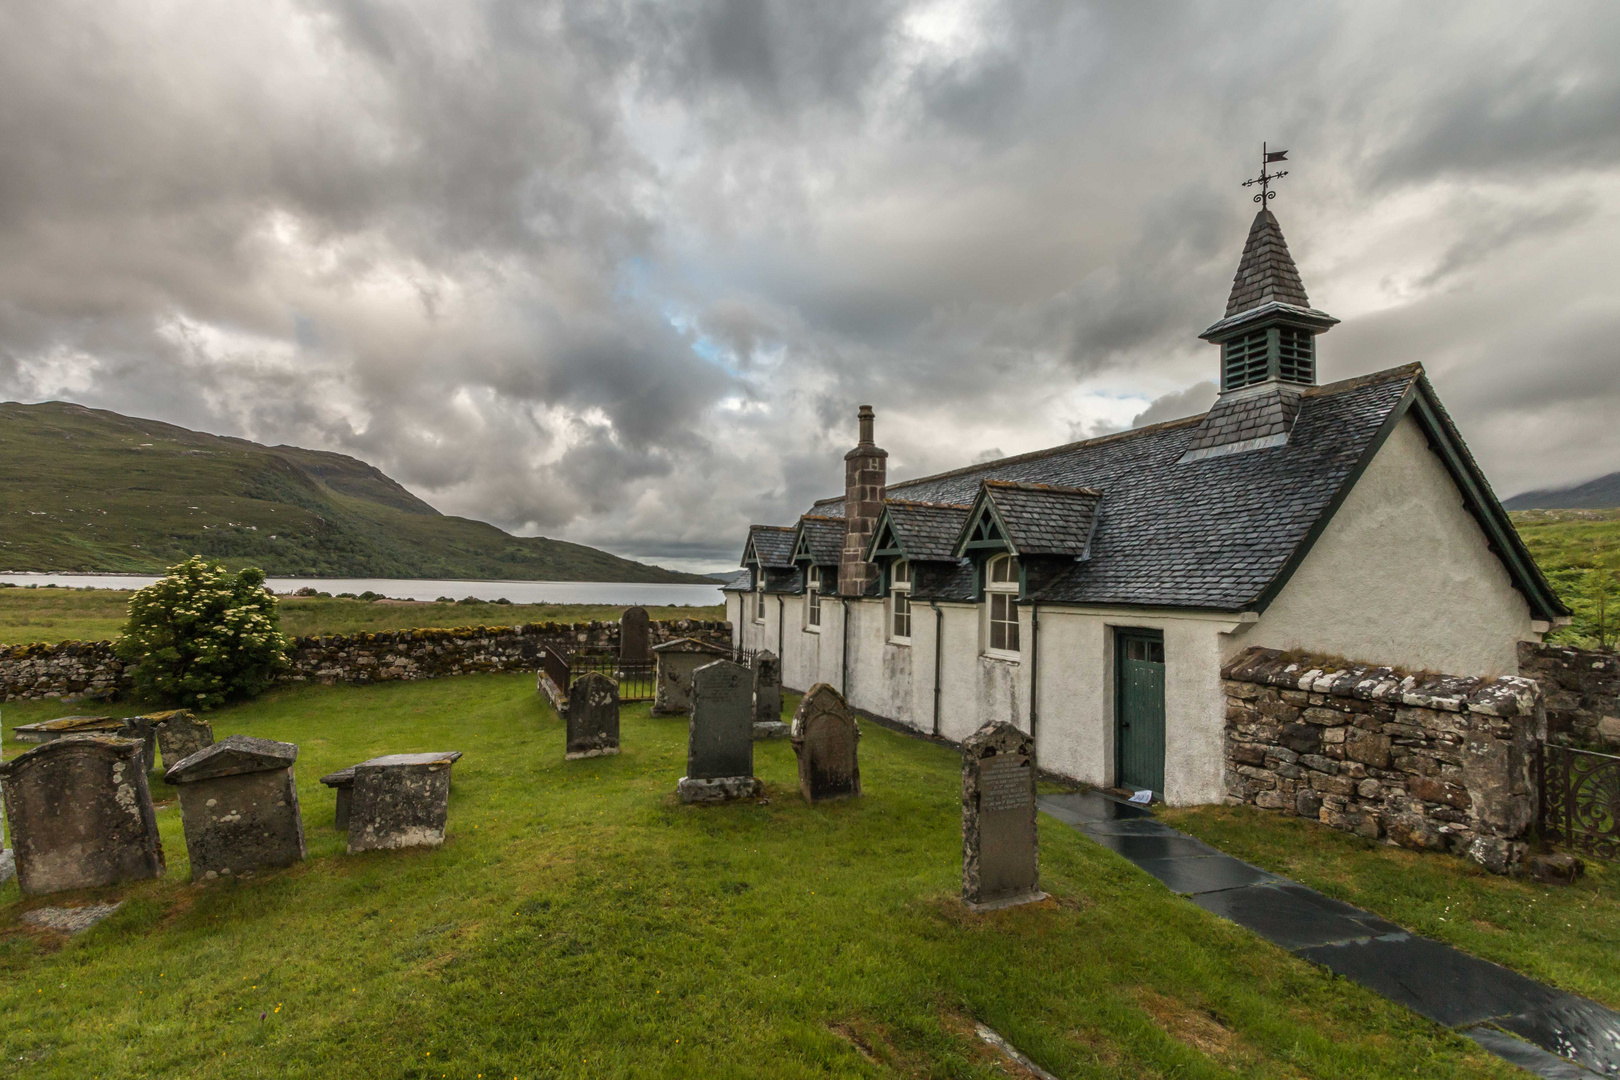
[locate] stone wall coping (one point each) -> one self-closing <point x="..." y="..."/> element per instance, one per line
<point x="1506" y="696"/>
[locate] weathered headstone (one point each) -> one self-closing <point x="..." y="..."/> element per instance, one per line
<point x="635" y="634"/>
<point x="400" y="803"/>
<point x="180" y="734"/>
<point x="768" y="697"/>
<point x="720" y="740"/>
<point x="826" y="739"/>
<point x="126" y="727"/>
<point x="593" y="717"/>
<point x="677" y="661"/>
<point x="1000" y="854"/>
<point x="239" y="806"/>
<point x="80" y="814"/>
<point x="342" y="781"/>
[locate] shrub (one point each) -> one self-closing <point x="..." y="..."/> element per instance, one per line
<point x="203" y="635"/>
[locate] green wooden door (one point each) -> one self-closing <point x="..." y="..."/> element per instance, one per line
<point x="1139" y="710"/>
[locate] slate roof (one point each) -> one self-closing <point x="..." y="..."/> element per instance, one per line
<point x="772" y="544"/>
<point x="1266" y="272"/>
<point x="1220" y="533"/>
<point x="1044" y="519"/>
<point x="824" y="536"/>
<point x="926" y="531"/>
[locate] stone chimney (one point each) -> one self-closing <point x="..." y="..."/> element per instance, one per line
<point x="865" y="477"/>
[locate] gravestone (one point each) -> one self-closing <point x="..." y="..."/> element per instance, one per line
<point x="826" y="739"/>
<point x="635" y="633"/>
<point x="126" y="727"/>
<point x="1000" y="856"/>
<point x="720" y="739"/>
<point x="400" y="803"/>
<point x="677" y="661"/>
<point x="342" y="781"/>
<point x="239" y="806"/>
<point x="80" y="814"/>
<point x="180" y="734"/>
<point x="593" y="717"/>
<point x="768" y="697"/>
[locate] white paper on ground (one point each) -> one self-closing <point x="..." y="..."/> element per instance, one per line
<point x="1144" y="797"/>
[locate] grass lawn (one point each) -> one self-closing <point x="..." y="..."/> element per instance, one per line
<point x="28" y="615"/>
<point x="1569" y="937"/>
<point x="579" y="922"/>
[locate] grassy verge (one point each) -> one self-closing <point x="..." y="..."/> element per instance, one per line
<point x="28" y="615"/>
<point x="580" y="922"/>
<point x="1566" y="936"/>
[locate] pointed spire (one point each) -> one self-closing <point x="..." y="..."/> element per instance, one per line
<point x="1266" y="272"/>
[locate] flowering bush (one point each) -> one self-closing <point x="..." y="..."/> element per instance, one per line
<point x="203" y="635"/>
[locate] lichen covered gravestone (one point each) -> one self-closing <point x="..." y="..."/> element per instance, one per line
<point x="678" y="660"/>
<point x="826" y="739"/>
<point x="342" y="781"/>
<point x="1000" y="854"/>
<point x="400" y="801"/>
<point x="720" y="739"/>
<point x="239" y="806"/>
<point x="593" y="717"/>
<point x="767" y="671"/>
<point x="180" y="734"/>
<point x="126" y="727"/>
<point x="635" y="633"/>
<point x="80" y="814"/>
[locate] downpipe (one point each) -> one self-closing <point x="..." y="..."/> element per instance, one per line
<point x="1034" y="666"/>
<point x="939" y="653"/>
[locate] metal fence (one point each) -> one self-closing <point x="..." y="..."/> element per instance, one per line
<point x="1580" y="799"/>
<point x="637" y="679"/>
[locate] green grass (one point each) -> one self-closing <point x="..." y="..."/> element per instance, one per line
<point x="90" y="490"/>
<point x="579" y="922"/>
<point x="29" y="615"/>
<point x="1579" y="551"/>
<point x="1568" y="937"/>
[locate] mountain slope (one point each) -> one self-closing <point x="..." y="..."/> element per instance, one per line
<point x="1599" y="494"/>
<point x="89" y="490"/>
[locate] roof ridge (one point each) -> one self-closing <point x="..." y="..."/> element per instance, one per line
<point x="777" y="528"/>
<point x="1413" y="369"/>
<point x="925" y="503"/>
<point x="1027" y="485"/>
<point x="821" y="517"/>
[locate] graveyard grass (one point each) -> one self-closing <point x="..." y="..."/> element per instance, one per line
<point x="580" y="922"/>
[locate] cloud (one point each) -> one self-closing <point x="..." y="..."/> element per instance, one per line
<point x="620" y="272"/>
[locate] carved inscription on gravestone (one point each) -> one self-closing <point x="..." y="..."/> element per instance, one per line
<point x="767" y="671"/>
<point x="1000" y="856"/>
<point x="721" y="740"/>
<point x="825" y="738"/>
<point x="593" y="717"/>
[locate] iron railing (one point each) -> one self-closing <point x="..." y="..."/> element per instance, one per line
<point x="637" y="679"/>
<point x="1580" y="799"/>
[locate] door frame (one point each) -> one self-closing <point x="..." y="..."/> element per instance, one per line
<point x="1122" y="635"/>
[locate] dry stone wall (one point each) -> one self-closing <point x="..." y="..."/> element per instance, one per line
<point x="71" y="668"/>
<point x="1424" y="761"/>
<point x="1581" y="689"/>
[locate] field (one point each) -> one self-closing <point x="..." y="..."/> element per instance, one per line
<point x="579" y="922"/>
<point x="1579" y="551"/>
<point x="98" y="614"/>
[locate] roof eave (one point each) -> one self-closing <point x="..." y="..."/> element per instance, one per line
<point x="1269" y="311"/>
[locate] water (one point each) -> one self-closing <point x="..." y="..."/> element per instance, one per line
<point x="615" y="593"/>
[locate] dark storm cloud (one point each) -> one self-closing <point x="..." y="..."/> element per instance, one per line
<point x="621" y="271"/>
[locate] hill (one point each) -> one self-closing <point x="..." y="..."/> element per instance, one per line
<point x="1579" y="551"/>
<point x="92" y="491"/>
<point x="1599" y="494"/>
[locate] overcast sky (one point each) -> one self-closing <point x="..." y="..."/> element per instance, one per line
<point x="621" y="272"/>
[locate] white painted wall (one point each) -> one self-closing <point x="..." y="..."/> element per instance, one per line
<point x="1402" y="575"/>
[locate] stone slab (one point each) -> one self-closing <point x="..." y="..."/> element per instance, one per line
<point x="767" y="672"/>
<point x="717" y="789"/>
<point x="398" y="804"/>
<point x="592" y="720"/>
<point x="179" y="735"/>
<point x="1293" y="916"/>
<point x="826" y="741"/>
<point x="8" y="866"/>
<point x="239" y="807"/>
<point x="1525" y="1055"/>
<point x="1000" y="844"/>
<point x="720" y="739"/>
<point x="1572" y="1027"/>
<point x="634" y="635"/>
<point x="69" y="920"/>
<point x="1137" y="847"/>
<point x="778" y="729"/>
<point x="1190" y="876"/>
<point x="1431" y="979"/>
<point x="342" y="781"/>
<point x="1075" y="807"/>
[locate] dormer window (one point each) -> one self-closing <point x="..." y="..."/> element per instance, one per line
<point x="900" y="603"/>
<point x="1001" y="607"/>
<point x="812" y="600"/>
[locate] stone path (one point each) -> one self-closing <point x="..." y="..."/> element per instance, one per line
<point x="1559" y="1035"/>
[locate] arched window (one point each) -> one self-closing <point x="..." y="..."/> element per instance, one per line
<point x="1001" y="607"/>
<point x="812" y="599"/>
<point x="900" y="602"/>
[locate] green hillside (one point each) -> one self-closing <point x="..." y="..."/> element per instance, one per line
<point x="1579" y="551"/>
<point x="88" y="490"/>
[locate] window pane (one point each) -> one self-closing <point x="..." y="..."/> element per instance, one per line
<point x="1012" y="636"/>
<point x="998" y="635"/>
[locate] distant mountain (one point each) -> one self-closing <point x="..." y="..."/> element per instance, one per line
<point x="1599" y="494"/>
<point x="92" y="491"/>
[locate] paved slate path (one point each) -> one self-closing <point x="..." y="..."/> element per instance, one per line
<point x="1559" y="1035"/>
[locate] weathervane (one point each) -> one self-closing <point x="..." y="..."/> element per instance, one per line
<point x="1265" y="178"/>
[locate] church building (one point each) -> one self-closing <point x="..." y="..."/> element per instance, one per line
<point x="1091" y="593"/>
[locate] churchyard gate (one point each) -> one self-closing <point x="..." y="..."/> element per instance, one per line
<point x="1580" y="799"/>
